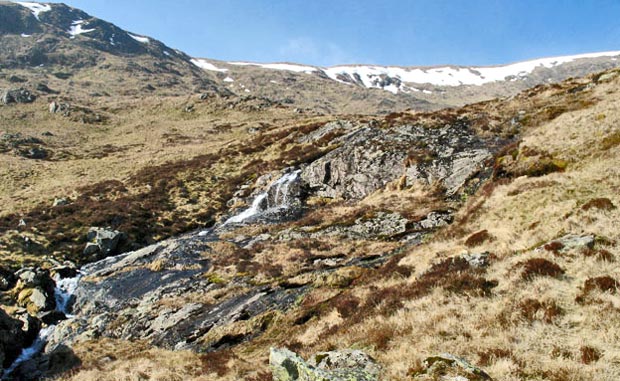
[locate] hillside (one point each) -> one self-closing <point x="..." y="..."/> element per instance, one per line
<point x="160" y="222"/>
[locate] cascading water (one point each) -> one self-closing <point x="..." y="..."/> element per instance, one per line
<point x="65" y="288"/>
<point x="274" y="199"/>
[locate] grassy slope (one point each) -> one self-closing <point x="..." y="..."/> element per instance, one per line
<point x="523" y="328"/>
<point x="401" y="312"/>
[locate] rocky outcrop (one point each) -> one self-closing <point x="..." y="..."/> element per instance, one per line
<point x="370" y="158"/>
<point x="450" y="368"/>
<point x="132" y="296"/>
<point x="569" y="242"/>
<point x="325" y="366"/>
<point x="381" y="225"/>
<point x="25" y="146"/>
<point x="20" y="95"/>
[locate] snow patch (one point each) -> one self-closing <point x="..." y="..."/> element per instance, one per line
<point x="77" y="28"/>
<point x="453" y="76"/>
<point x="141" y="39"/>
<point x="26" y="35"/>
<point x="35" y="8"/>
<point x="228" y="79"/>
<point x="205" y="65"/>
<point x="167" y="53"/>
<point x="280" y="66"/>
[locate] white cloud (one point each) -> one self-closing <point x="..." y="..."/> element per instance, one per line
<point x="309" y="51"/>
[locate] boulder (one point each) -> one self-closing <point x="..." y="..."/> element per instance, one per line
<point x="287" y="366"/>
<point x="448" y="367"/>
<point x="52" y="317"/>
<point x="345" y="359"/>
<point x="35" y="290"/>
<point x="57" y="108"/>
<point x="60" y="202"/>
<point x="102" y="242"/>
<point x="571" y="241"/>
<point x="20" y="95"/>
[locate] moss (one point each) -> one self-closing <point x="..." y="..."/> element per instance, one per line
<point x="611" y="141"/>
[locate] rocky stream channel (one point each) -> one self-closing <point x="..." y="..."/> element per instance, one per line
<point x="122" y="297"/>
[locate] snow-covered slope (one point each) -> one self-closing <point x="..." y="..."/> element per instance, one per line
<point x="404" y="79"/>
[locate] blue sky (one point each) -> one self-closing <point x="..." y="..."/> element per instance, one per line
<point x="387" y="32"/>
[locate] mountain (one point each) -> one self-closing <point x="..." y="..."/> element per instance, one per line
<point x="84" y="56"/>
<point x="441" y="86"/>
<point x="193" y="230"/>
<point x="78" y="53"/>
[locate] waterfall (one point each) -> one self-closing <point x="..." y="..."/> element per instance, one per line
<point x="65" y="288"/>
<point x="276" y="198"/>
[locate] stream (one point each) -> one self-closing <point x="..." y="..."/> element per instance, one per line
<point x="64" y="290"/>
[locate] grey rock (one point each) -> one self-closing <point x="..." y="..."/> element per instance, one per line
<point x="40" y="299"/>
<point x="338" y="126"/>
<point x="128" y="301"/>
<point x="369" y="158"/>
<point x="572" y="241"/>
<point x="45" y="89"/>
<point x="382" y="225"/>
<point x="60" y="202"/>
<point x="435" y="220"/>
<point x="345" y="359"/>
<point x="20" y="95"/>
<point x="450" y="368"/>
<point x="102" y="242"/>
<point x="287" y="366"/>
<point x="478" y="260"/>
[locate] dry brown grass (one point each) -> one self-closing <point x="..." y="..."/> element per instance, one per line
<point x="531" y="314"/>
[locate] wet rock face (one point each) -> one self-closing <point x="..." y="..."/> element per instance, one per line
<point x="325" y="366"/>
<point x="279" y="197"/>
<point x="371" y="157"/>
<point x="129" y="297"/>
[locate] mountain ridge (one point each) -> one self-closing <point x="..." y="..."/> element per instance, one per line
<point x="71" y="41"/>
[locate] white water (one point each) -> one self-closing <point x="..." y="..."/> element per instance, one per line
<point x="282" y="185"/>
<point x="280" y="199"/>
<point x="250" y="212"/>
<point x="65" y="288"/>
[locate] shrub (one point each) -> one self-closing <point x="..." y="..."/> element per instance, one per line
<point x="589" y="355"/>
<point x="554" y="247"/>
<point x="603" y="283"/>
<point x="540" y="267"/>
<point x="599" y="203"/>
<point x="532" y="309"/>
<point x="477" y="238"/>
